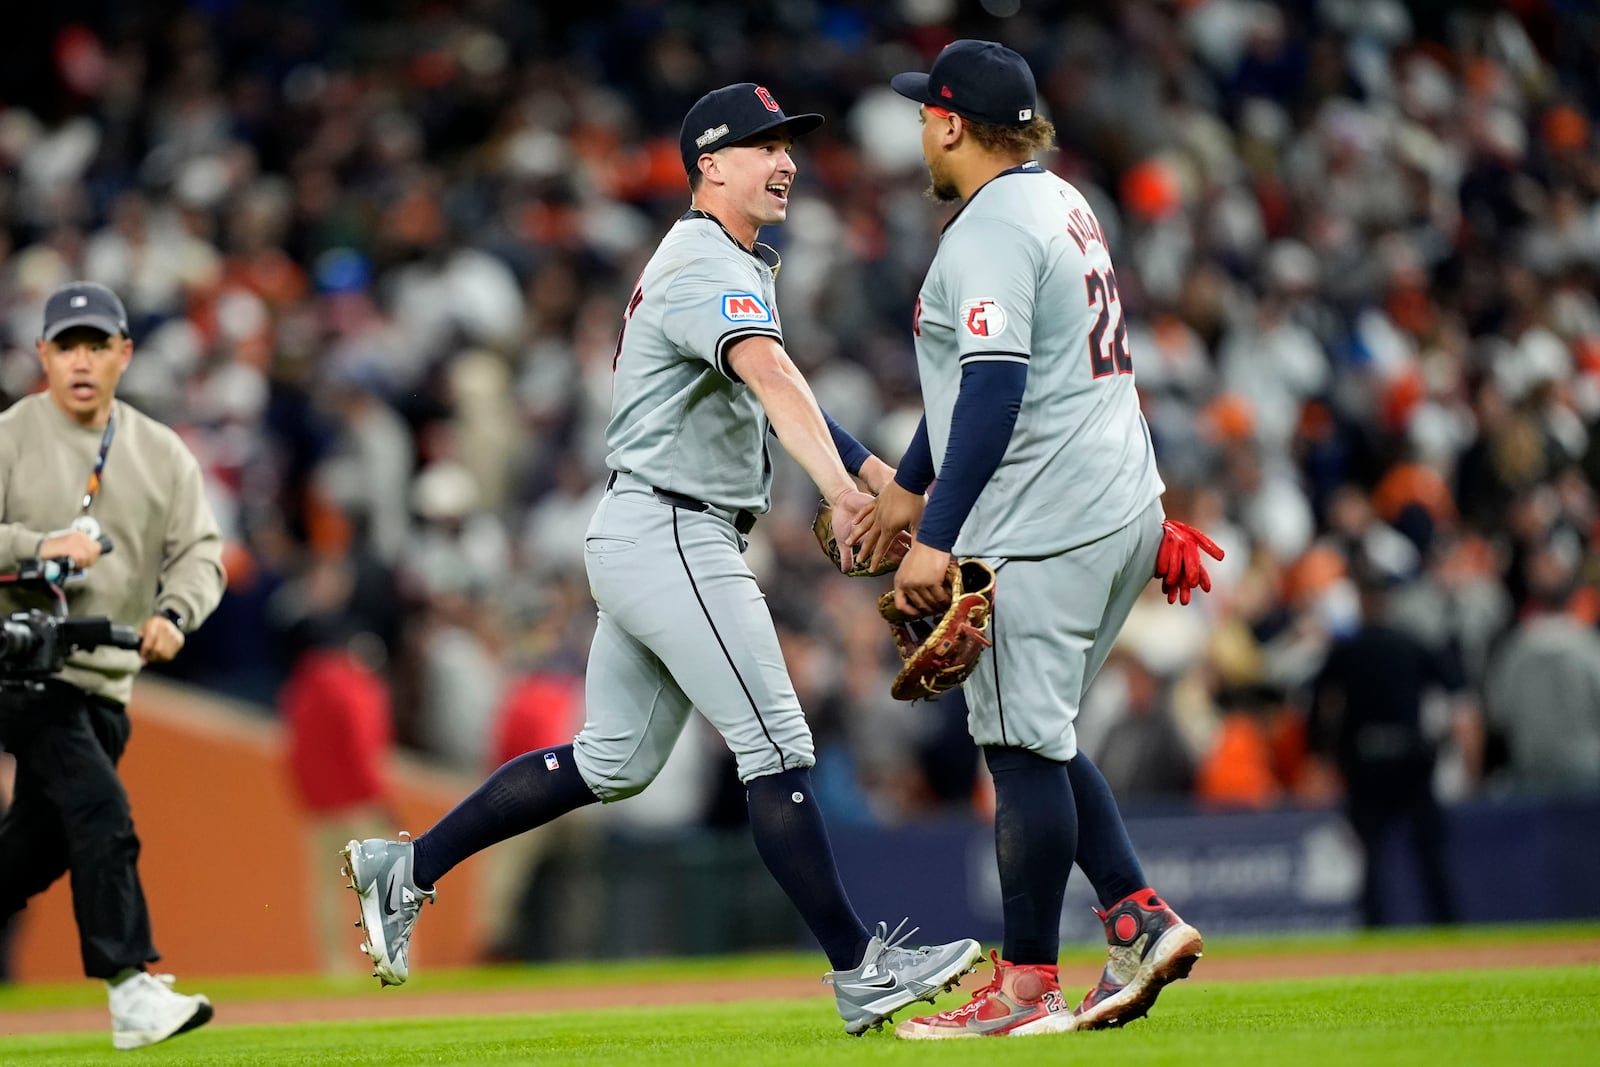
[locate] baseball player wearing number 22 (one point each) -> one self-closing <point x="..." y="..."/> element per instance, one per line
<point x="1046" y="472"/>
<point x="701" y="380"/>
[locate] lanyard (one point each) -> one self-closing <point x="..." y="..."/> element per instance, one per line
<point x="95" y="476"/>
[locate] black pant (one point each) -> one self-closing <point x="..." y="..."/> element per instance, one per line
<point x="70" y="813"/>
<point x="1378" y="806"/>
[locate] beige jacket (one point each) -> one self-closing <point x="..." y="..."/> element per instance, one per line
<point x="167" y="550"/>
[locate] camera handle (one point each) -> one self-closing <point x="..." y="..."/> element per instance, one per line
<point x="96" y="632"/>
<point x="56" y="571"/>
<point x="124" y="637"/>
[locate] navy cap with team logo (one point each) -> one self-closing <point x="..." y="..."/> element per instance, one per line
<point x="732" y="114"/>
<point x="978" y="80"/>
<point x="83" y="304"/>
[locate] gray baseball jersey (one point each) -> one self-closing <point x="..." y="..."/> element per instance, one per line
<point x="683" y="625"/>
<point x="1071" y="520"/>
<point x="680" y="418"/>
<point x="1022" y="274"/>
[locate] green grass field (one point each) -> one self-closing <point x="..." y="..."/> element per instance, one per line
<point x="1516" y="1017"/>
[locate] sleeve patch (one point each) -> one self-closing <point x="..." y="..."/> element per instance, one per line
<point x="745" y="307"/>
<point x="983" y="318"/>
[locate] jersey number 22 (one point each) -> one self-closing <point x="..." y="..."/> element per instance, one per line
<point x="1107" y="355"/>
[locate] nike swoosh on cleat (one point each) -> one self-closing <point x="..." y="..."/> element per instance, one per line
<point x="391" y="899"/>
<point x="888" y="981"/>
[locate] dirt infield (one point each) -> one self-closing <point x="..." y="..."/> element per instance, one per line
<point x="413" y="1004"/>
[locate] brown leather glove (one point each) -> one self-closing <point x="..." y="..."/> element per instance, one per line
<point x="940" y="652"/>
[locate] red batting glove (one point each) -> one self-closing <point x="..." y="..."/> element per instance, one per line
<point x="1178" y="563"/>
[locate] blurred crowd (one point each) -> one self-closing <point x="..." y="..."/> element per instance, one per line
<point x="376" y="256"/>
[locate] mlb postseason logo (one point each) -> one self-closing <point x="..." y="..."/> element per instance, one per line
<point x="711" y="135"/>
<point x="550" y="762"/>
<point x="744" y="307"/>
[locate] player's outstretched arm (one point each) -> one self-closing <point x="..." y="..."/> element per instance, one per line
<point x="870" y="472"/>
<point x="875" y="474"/>
<point x="900" y="501"/>
<point x="763" y="365"/>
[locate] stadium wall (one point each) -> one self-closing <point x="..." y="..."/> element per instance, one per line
<point x="232" y="874"/>
<point x="227" y="860"/>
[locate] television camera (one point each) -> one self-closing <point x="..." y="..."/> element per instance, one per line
<point x="35" y="644"/>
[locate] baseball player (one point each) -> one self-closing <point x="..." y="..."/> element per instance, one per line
<point x="1046" y="472"/>
<point x="701" y="377"/>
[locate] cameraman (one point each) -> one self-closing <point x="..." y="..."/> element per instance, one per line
<point x="76" y="463"/>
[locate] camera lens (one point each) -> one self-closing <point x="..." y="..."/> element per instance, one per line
<point x="18" y="640"/>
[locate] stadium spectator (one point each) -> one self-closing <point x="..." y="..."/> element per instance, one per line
<point x="1367" y="719"/>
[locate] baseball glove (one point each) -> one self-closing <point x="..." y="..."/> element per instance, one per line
<point x="822" y="526"/>
<point x="940" y="652"/>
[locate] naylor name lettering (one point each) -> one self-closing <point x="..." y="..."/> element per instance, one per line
<point x="1084" y="229"/>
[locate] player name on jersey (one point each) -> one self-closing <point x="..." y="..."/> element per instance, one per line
<point x="1084" y="229"/>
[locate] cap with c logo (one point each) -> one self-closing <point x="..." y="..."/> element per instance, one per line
<point x="732" y="114"/>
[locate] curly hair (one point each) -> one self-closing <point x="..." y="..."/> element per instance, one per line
<point x="1035" y="137"/>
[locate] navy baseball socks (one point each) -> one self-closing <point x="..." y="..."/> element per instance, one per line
<point x="793" y="843"/>
<point x="529" y="791"/>
<point x="393" y="879"/>
<point x="875" y="975"/>
<point x="1035" y="837"/>
<point x="1046" y="815"/>
<point x="1104" y="852"/>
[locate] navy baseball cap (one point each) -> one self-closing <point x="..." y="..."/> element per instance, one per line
<point x="732" y="114"/>
<point x="83" y="304"/>
<point x="978" y="80"/>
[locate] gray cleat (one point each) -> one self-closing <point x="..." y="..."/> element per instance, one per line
<point x="890" y="976"/>
<point x="380" y="873"/>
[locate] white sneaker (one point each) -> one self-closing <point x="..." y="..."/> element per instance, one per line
<point x="144" y="1010"/>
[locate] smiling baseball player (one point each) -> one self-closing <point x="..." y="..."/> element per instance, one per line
<point x="1046" y="472"/>
<point x="701" y="376"/>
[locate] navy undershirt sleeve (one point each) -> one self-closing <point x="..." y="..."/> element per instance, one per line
<point x="852" y="453"/>
<point x="915" y="472"/>
<point x="980" y="432"/>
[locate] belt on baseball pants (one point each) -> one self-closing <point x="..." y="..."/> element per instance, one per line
<point x="742" y="520"/>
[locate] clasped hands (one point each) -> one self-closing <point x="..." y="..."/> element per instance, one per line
<point x="919" y="583"/>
